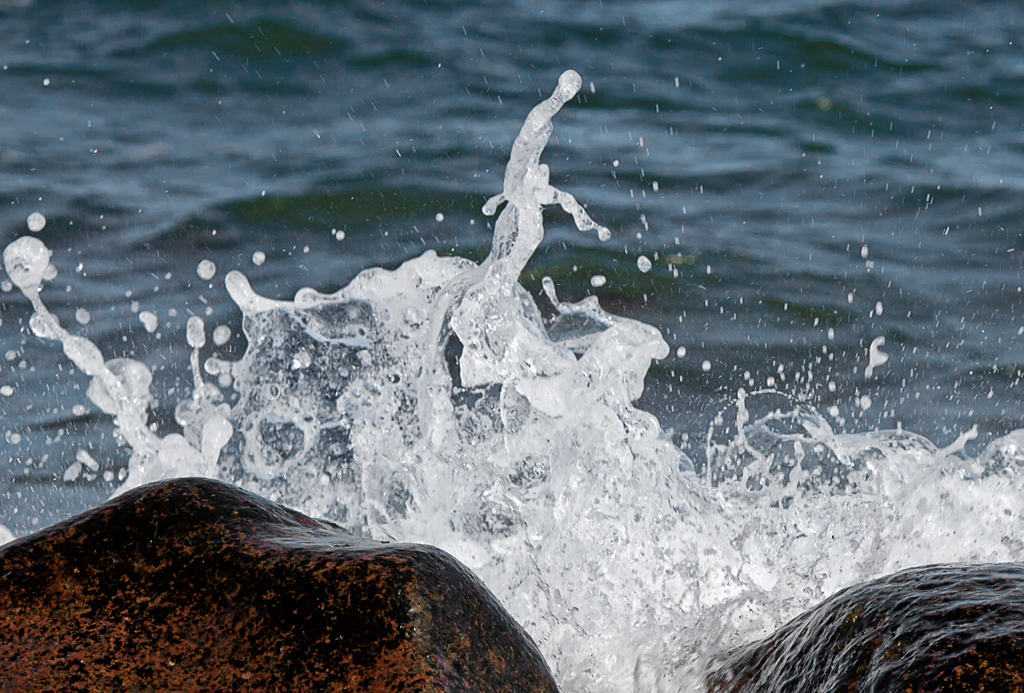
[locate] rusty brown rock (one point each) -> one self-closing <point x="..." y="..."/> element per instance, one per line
<point x="941" y="628"/>
<point x="195" y="585"/>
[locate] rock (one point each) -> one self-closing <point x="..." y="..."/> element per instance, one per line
<point x="938" y="628"/>
<point x="195" y="585"/>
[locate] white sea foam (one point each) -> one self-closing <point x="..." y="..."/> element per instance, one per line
<point x="434" y="403"/>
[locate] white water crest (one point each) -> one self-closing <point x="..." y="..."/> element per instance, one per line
<point x="434" y="403"/>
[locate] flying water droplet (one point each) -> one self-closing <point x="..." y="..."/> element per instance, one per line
<point x="876" y="357"/>
<point x="26" y="260"/>
<point x="149" y="321"/>
<point x="195" y="332"/>
<point x="221" y="335"/>
<point x="206" y="270"/>
<point x="36" y="222"/>
<point x="548" y="285"/>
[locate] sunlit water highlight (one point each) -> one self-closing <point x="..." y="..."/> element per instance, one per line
<point x="435" y="403"/>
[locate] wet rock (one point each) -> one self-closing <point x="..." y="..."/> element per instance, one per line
<point x="943" y="628"/>
<point x="195" y="585"/>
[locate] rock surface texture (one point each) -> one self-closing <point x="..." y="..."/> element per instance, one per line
<point x="947" y="628"/>
<point x="195" y="585"/>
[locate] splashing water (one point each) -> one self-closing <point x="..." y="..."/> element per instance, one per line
<point x="435" y="403"/>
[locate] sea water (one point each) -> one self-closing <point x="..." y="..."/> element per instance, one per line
<point x="441" y="402"/>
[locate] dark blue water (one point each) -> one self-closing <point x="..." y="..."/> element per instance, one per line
<point x="786" y="166"/>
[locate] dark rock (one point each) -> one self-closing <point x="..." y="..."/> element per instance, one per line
<point x="195" y="585"/>
<point x="944" y="628"/>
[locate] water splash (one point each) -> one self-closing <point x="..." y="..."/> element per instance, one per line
<point x="435" y="403"/>
<point x="121" y="387"/>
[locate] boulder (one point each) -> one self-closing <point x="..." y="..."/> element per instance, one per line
<point x="946" y="628"/>
<point x="195" y="585"/>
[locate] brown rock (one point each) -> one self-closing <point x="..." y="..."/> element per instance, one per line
<point x="948" y="628"/>
<point x="195" y="585"/>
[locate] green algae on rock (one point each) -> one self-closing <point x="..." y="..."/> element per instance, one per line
<point x="936" y="629"/>
<point x="195" y="585"/>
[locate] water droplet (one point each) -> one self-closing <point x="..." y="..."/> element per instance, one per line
<point x="26" y="260"/>
<point x="206" y="269"/>
<point x="258" y="258"/>
<point x="706" y="366"/>
<point x="439" y="217"/>
<point x="643" y="263"/>
<point x="598" y="280"/>
<point x="681" y="352"/>
<point x="82" y="316"/>
<point x="36" y="222"/>
<point x="87" y="460"/>
<point x="221" y="335"/>
<point x="72" y="473"/>
<point x="195" y="332"/>
<point x="548" y="284"/>
<point x="864" y="252"/>
<point x="876" y="357"/>
<point x="149" y="321"/>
